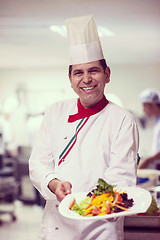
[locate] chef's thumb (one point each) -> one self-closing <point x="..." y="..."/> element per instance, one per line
<point x="67" y="187"/>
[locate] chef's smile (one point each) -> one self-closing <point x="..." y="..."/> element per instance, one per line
<point x="88" y="81"/>
<point x="87" y="89"/>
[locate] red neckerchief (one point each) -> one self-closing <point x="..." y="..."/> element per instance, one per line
<point x="87" y="112"/>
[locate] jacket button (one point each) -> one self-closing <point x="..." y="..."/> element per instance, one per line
<point x="63" y="159"/>
<point x="56" y="228"/>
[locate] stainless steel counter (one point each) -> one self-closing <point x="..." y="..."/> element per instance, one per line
<point x="142" y="227"/>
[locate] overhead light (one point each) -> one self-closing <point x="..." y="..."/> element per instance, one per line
<point x="105" y="32"/>
<point x="61" y="30"/>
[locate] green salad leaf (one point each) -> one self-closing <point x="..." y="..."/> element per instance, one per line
<point x="103" y="187"/>
<point x="81" y="207"/>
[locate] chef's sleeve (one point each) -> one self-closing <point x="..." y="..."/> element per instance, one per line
<point x="41" y="162"/>
<point x="122" y="168"/>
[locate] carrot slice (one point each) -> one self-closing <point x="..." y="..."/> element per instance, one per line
<point x="88" y="206"/>
<point x="123" y="208"/>
<point x="93" y="196"/>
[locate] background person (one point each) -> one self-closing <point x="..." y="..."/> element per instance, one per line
<point x="150" y="99"/>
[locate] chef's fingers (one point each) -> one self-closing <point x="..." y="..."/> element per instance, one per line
<point x="60" y="192"/>
<point x="67" y="187"/>
<point x="60" y="189"/>
<point x="60" y="195"/>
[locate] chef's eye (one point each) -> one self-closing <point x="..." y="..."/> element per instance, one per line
<point x="94" y="70"/>
<point x="78" y="73"/>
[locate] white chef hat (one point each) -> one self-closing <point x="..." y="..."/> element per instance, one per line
<point x="84" y="43"/>
<point x="150" y="96"/>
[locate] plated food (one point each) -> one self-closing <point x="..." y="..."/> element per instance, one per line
<point x="105" y="199"/>
<point x="104" y="202"/>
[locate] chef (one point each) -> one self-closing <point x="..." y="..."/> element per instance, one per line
<point x="150" y="99"/>
<point x="83" y="139"/>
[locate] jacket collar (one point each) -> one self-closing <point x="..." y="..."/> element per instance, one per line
<point x="87" y="112"/>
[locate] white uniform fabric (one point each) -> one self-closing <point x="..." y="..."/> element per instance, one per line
<point x="106" y="147"/>
<point x="156" y="137"/>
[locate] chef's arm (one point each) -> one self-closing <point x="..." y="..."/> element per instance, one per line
<point x="41" y="162"/>
<point x="122" y="167"/>
<point x="59" y="188"/>
<point x="151" y="159"/>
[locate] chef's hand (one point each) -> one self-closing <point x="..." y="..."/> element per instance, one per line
<point x="60" y="189"/>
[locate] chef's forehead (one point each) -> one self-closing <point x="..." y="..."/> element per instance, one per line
<point x="101" y="62"/>
<point x="87" y="65"/>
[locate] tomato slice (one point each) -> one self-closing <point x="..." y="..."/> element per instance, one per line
<point x="71" y="204"/>
<point x="118" y="198"/>
<point x="108" y="210"/>
<point x="96" y="210"/>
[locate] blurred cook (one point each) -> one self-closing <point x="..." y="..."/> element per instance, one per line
<point x="150" y="99"/>
<point x="83" y="139"/>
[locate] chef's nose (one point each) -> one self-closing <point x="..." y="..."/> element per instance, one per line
<point x="87" y="78"/>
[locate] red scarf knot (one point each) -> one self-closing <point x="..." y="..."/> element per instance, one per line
<point x="87" y="112"/>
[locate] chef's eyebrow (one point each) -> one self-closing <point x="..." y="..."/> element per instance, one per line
<point x="94" y="68"/>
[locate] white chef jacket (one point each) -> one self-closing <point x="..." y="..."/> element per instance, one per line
<point x="106" y="147"/>
<point x="156" y="137"/>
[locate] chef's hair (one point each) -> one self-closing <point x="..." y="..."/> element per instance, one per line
<point x="102" y="62"/>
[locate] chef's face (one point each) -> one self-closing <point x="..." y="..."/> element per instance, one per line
<point x="88" y="81"/>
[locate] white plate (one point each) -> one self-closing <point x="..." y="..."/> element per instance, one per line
<point x="142" y="200"/>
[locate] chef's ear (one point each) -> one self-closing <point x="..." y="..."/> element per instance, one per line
<point x="69" y="75"/>
<point x="70" y="79"/>
<point x="108" y="73"/>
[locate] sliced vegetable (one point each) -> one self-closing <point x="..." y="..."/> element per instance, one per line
<point x="118" y="198"/>
<point x="108" y="209"/>
<point x="102" y="200"/>
<point x="72" y="203"/>
<point x="96" y="210"/>
<point x="118" y="206"/>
